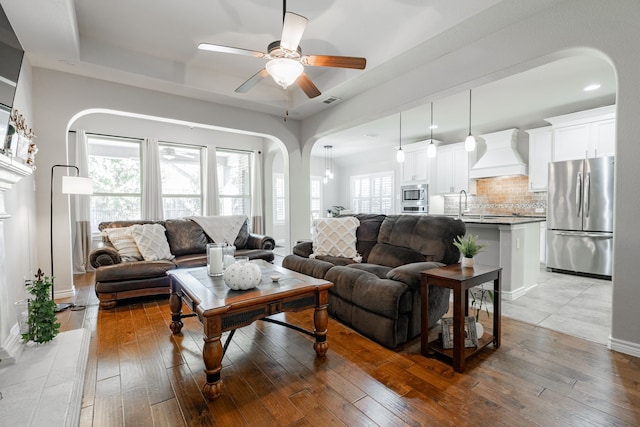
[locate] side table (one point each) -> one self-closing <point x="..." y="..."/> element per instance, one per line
<point x="460" y="280"/>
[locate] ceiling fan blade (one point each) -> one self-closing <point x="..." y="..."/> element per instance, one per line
<point x="228" y="49"/>
<point x="292" y="30"/>
<point x="335" y="61"/>
<point x="253" y="80"/>
<point x="307" y="86"/>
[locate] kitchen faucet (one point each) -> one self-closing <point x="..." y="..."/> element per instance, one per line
<point x="460" y="203"/>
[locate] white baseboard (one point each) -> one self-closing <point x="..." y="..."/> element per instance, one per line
<point x="12" y="347"/>
<point x="626" y="347"/>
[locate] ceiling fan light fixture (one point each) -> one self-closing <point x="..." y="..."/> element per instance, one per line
<point x="284" y="71"/>
<point x="431" y="148"/>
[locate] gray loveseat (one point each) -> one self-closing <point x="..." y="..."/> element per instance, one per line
<point x="117" y="279"/>
<point x="380" y="297"/>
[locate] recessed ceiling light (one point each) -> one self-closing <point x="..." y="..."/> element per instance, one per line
<point x="370" y="135"/>
<point x="592" y="87"/>
<point x="433" y="126"/>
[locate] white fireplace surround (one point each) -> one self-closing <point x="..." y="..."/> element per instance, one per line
<point x="11" y="171"/>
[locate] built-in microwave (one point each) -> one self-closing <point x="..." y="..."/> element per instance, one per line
<point x="415" y="198"/>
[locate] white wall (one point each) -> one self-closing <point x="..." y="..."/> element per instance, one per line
<point x="21" y="236"/>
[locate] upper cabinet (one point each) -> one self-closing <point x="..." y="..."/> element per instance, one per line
<point x="584" y="134"/>
<point x="540" y="154"/>
<point x="417" y="166"/>
<point x="452" y="168"/>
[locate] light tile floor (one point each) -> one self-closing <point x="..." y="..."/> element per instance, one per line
<point x="577" y="306"/>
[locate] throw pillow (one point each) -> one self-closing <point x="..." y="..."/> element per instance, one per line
<point x="122" y="240"/>
<point x="151" y="241"/>
<point x="336" y="237"/>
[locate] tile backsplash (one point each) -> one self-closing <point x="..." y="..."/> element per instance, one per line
<point x="501" y="196"/>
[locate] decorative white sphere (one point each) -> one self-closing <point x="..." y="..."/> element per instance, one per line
<point x="242" y="275"/>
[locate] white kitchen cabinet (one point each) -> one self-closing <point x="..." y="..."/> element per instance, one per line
<point x="585" y="134"/>
<point x="417" y="166"/>
<point x="452" y="168"/>
<point x="540" y="154"/>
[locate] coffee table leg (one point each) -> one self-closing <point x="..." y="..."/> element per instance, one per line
<point x="320" y="321"/>
<point x="212" y="353"/>
<point x="175" y="304"/>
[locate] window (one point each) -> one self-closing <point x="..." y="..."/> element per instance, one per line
<point x="372" y="193"/>
<point x="181" y="171"/>
<point x="234" y="182"/>
<point x="114" y="166"/>
<point x="279" y="201"/>
<point x="316" y="198"/>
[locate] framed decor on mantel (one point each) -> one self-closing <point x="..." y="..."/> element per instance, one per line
<point x="470" y="333"/>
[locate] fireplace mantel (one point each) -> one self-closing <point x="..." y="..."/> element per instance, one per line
<point x="11" y="171"/>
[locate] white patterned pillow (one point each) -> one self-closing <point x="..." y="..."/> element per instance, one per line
<point x="151" y="241"/>
<point x="122" y="240"/>
<point x="336" y="237"/>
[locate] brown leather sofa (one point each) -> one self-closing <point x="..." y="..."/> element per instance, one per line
<point x="117" y="279"/>
<point x="380" y="297"/>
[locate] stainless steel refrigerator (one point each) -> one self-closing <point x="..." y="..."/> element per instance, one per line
<point x="580" y="216"/>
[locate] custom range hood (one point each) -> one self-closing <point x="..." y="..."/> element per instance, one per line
<point x="501" y="157"/>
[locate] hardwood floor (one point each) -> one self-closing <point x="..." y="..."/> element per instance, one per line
<point x="139" y="374"/>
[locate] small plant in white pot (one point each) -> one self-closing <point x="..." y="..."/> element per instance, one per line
<point x="469" y="247"/>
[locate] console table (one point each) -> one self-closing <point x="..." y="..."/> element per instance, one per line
<point x="459" y="280"/>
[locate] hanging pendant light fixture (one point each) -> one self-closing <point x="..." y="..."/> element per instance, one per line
<point x="431" y="148"/>
<point x="328" y="164"/>
<point x="470" y="142"/>
<point x="400" y="153"/>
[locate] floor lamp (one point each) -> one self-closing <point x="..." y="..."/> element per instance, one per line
<point x="70" y="185"/>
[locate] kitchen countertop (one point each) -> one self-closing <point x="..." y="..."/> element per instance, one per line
<point x="498" y="219"/>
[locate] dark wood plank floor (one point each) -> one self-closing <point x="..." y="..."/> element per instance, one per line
<point x="139" y="374"/>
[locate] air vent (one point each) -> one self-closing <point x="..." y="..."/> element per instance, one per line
<point x="331" y="100"/>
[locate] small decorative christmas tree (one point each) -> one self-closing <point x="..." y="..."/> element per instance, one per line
<point x="43" y="325"/>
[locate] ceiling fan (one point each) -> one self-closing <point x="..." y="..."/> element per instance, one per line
<point x="285" y="59"/>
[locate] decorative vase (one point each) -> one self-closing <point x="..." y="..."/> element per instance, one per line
<point x="242" y="274"/>
<point x="467" y="262"/>
<point x="22" y="312"/>
<point x="479" y="330"/>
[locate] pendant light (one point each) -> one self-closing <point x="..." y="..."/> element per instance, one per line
<point x="431" y="148"/>
<point x="328" y="164"/>
<point x="400" y="153"/>
<point x="470" y="142"/>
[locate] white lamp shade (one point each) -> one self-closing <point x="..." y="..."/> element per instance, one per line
<point x="77" y="185"/>
<point x="400" y="155"/>
<point x="470" y="143"/>
<point x="431" y="150"/>
<point x="284" y="71"/>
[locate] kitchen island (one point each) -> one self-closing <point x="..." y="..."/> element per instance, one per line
<point x="513" y="243"/>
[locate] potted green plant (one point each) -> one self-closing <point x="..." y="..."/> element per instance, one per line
<point x="469" y="247"/>
<point x="43" y="325"/>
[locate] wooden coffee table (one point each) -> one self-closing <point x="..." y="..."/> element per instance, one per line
<point x="221" y="309"/>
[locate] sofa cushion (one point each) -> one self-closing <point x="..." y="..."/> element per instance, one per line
<point x="394" y="256"/>
<point x="367" y="233"/>
<point x="185" y="237"/>
<point x="123" y="241"/>
<point x="133" y="270"/>
<point x="410" y="273"/>
<point x="335" y="237"/>
<point x="151" y="241"/>
<point x="388" y="298"/>
<point x="243" y="235"/>
<point x="379" y="270"/>
<point x="431" y="236"/>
